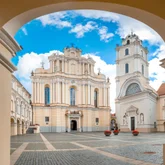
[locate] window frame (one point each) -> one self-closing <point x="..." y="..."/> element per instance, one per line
<point x="126" y="51"/>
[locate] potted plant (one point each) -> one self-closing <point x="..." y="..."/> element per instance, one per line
<point x="107" y="133"/>
<point x="135" y="132"/>
<point x="116" y="132"/>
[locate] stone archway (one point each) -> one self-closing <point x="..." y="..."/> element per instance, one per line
<point x="19" y="127"/>
<point x="13" y="128"/>
<point x="23" y="127"/>
<point x="20" y="13"/>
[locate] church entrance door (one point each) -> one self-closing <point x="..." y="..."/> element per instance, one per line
<point x="73" y="125"/>
<point x="132" y="123"/>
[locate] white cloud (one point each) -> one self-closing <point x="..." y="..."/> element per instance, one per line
<point x="24" y="30"/>
<point x="29" y="62"/>
<point x="55" y="19"/>
<point x="80" y="29"/>
<point x="125" y="24"/>
<point x="155" y="70"/>
<point x="98" y="14"/>
<point x="104" y="35"/>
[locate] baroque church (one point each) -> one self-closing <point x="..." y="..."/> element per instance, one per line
<point x="136" y="100"/>
<point x="69" y="96"/>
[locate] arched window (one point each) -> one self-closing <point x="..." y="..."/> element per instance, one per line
<point x="47" y="95"/>
<point x="126" y="68"/>
<point x="132" y="89"/>
<point x="128" y="42"/>
<point x="127" y="51"/>
<point x="95" y="98"/>
<point x="72" y="96"/>
<point x="142" y="69"/>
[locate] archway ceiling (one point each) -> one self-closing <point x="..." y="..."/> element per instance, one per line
<point x="12" y="8"/>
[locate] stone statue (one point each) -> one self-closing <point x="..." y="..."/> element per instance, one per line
<point x="141" y="118"/>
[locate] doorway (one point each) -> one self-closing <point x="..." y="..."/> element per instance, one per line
<point x="73" y="125"/>
<point x="132" y="123"/>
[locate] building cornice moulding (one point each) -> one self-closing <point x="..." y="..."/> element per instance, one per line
<point x="9" y="42"/>
<point x="7" y="64"/>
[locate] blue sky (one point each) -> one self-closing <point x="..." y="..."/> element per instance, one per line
<point x="95" y="32"/>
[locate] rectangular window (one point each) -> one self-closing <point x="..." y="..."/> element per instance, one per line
<point x="97" y="120"/>
<point x="46" y="119"/>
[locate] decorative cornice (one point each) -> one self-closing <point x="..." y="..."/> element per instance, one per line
<point x="7" y="64"/>
<point x="9" y="42"/>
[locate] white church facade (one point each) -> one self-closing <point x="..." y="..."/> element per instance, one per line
<point x="69" y="96"/>
<point x="136" y="100"/>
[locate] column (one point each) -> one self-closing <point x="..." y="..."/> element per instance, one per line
<point x="59" y="92"/>
<point x="8" y="47"/>
<point x="83" y="92"/>
<point x="89" y="97"/>
<point x="79" y="68"/>
<point x="104" y="94"/>
<point x="108" y="98"/>
<point x="65" y="66"/>
<point x="63" y="94"/>
<point x="42" y="93"/>
<point x="66" y="94"/>
<point x="53" y="65"/>
<point x="58" y="65"/>
<point x="52" y="92"/>
<point x="68" y="124"/>
<point x="35" y="92"/>
<point x="56" y="92"/>
<point x="80" y="123"/>
<point x="92" y="95"/>
<point x="83" y="68"/>
<point x="79" y="95"/>
<point x="88" y="68"/>
<point x="32" y="97"/>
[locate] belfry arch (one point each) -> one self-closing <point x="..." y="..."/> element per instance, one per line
<point x="21" y="13"/>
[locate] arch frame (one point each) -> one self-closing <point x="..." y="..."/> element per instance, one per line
<point x="126" y="84"/>
<point x="18" y="18"/>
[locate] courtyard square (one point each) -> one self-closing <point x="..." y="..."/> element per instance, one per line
<point x="87" y="149"/>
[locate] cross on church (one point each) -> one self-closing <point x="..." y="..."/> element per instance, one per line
<point x="42" y="64"/>
<point x="131" y="31"/>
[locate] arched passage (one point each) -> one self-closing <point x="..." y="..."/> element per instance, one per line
<point x="23" y="127"/>
<point x="19" y="127"/>
<point x="23" y="13"/>
<point x="13" y="127"/>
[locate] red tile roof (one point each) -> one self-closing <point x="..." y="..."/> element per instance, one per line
<point x="161" y="90"/>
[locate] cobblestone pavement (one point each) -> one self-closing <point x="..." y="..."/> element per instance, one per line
<point x="87" y="149"/>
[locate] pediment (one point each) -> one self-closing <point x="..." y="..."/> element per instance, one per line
<point x="132" y="110"/>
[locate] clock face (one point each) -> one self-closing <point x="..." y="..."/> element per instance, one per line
<point x="132" y="89"/>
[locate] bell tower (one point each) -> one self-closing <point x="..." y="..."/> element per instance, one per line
<point x="131" y="60"/>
